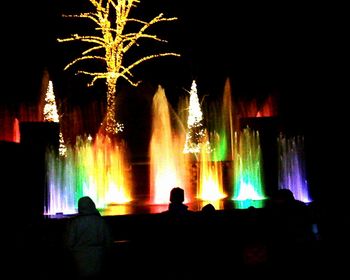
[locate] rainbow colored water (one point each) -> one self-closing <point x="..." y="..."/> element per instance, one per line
<point x="101" y="168"/>
<point x="97" y="168"/>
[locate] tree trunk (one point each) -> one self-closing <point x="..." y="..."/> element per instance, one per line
<point x="110" y="126"/>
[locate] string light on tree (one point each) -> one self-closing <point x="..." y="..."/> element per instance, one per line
<point x="50" y="108"/>
<point x="196" y="135"/>
<point x="110" y="18"/>
<point x="51" y="115"/>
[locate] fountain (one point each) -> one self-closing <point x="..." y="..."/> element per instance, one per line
<point x="87" y="167"/>
<point x="168" y="165"/>
<point x="248" y="173"/>
<point x="97" y="168"/>
<point x="292" y="172"/>
<point x="227" y="170"/>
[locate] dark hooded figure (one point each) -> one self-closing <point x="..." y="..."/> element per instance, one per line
<point x="88" y="238"/>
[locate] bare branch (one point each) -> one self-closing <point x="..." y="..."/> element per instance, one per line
<point x="84" y="58"/>
<point x="145" y="58"/>
<point x="142" y="30"/>
<point x="92" y="49"/>
<point x="88" y="39"/>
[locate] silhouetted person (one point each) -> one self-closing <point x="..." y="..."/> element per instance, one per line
<point x="284" y="199"/>
<point x="208" y="209"/>
<point x="291" y="230"/>
<point x="254" y="243"/>
<point x="88" y="239"/>
<point x="208" y="243"/>
<point x="176" y="236"/>
<point x="177" y="198"/>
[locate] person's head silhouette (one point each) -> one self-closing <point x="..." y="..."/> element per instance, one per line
<point x="177" y="195"/>
<point x="86" y="206"/>
<point x="208" y="209"/>
<point x="177" y="198"/>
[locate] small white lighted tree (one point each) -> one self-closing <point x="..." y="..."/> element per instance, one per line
<point x="51" y="114"/>
<point x="196" y="135"/>
<point x="50" y="108"/>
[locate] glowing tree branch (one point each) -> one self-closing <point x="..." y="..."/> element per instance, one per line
<point x="110" y="18"/>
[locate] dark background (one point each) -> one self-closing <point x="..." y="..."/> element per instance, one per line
<point x="288" y="47"/>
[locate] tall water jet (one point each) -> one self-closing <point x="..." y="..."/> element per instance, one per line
<point x="62" y="183"/>
<point x="248" y="173"/>
<point x="96" y="168"/>
<point x="9" y="126"/>
<point x="224" y="122"/>
<point x="168" y="164"/>
<point x="292" y="172"/>
<point x="221" y="122"/>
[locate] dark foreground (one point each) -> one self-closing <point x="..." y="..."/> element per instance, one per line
<point x="222" y="245"/>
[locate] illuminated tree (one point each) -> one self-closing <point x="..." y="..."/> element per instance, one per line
<point x="196" y="135"/>
<point x="110" y="18"/>
<point x="51" y="114"/>
<point x="50" y="108"/>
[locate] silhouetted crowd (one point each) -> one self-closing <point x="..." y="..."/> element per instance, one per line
<point x="285" y="236"/>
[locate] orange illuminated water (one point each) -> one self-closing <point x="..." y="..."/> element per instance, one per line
<point x="210" y="185"/>
<point x="168" y="165"/>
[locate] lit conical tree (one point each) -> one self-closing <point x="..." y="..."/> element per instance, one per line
<point x="196" y="135"/>
<point x="111" y="18"/>
<point x="51" y="114"/>
<point x="50" y="108"/>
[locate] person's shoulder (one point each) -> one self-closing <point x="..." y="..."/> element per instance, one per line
<point x="300" y="204"/>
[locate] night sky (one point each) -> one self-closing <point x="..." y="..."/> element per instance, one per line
<point x="261" y="47"/>
<point x="295" y="48"/>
